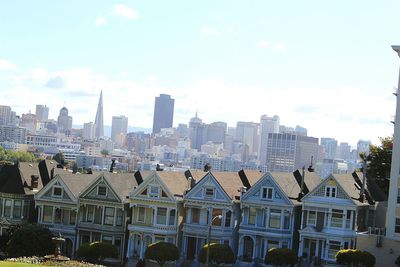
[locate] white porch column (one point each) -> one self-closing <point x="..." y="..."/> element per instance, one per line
<point x="317" y="248"/>
<point x="301" y="245"/>
<point x="128" y="251"/>
<point x="254" y="249"/>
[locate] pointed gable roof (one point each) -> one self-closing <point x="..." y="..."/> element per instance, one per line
<point x="175" y="182"/>
<point x="77" y="183"/>
<point x="121" y="183"/>
<point x="230" y="182"/>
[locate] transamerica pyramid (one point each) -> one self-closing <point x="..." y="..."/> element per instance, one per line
<point x="99" y="118"/>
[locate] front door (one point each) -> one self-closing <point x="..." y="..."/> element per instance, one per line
<point x="191" y="248"/>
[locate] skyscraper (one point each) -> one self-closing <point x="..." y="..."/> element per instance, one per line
<point x="267" y="125"/>
<point x="99" y="118"/>
<point x="163" y="112"/>
<point x="5" y="115"/>
<point x="247" y="133"/>
<point x="64" y="121"/>
<point x="89" y="131"/>
<point x="330" y="146"/>
<point x="119" y="126"/>
<point x="42" y="113"/>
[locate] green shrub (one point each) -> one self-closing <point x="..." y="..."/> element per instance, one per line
<point x="355" y="257"/>
<point x="281" y="257"/>
<point x="97" y="251"/>
<point x="161" y="252"/>
<point x="219" y="254"/>
<point x="30" y="240"/>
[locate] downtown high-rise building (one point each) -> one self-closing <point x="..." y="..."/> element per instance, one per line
<point x="89" y="131"/>
<point x="247" y="133"/>
<point x="267" y="125"/>
<point x="329" y="146"/>
<point x="42" y="113"/>
<point x="99" y="123"/>
<point x="163" y="112"/>
<point x="119" y="128"/>
<point x="5" y="115"/>
<point x="64" y="121"/>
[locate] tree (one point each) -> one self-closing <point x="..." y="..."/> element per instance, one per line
<point x="380" y="158"/>
<point x="97" y="251"/>
<point x="104" y="152"/>
<point x="11" y="156"/>
<point x="281" y="257"/>
<point x="60" y="158"/>
<point x="30" y="240"/>
<point x="161" y="252"/>
<point x="397" y="262"/>
<point x="355" y="257"/>
<point x="220" y="254"/>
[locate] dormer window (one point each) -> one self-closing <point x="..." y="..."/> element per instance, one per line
<point x="209" y="192"/>
<point x="102" y="191"/>
<point x="330" y="191"/>
<point x="267" y="193"/>
<point x="57" y="191"/>
<point x="153" y="191"/>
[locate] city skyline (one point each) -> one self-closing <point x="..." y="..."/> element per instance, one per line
<point x="230" y="66"/>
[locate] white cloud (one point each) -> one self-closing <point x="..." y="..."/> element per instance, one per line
<point x="209" y="31"/>
<point x="121" y="10"/>
<point x="263" y="44"/>
<point x="101" y="21"/>
<point x="7" y="65"/>
<point x="279" y="47"/>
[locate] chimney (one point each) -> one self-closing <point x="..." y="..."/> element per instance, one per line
<point x="52" y="173"/>
<point x="138" y="177"/>
<point x="34" y="182"/>
<point x="191" y="183"/>
<point x="244" y="179"/>
<point x="112" y="165"/>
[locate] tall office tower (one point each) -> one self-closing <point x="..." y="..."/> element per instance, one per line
<point x="119" y="126"/>
<point x="163" y="112"/>
<point x="267" y="125"/>
<point x="247" y="133"/>
<point x="287" y="152"/>
<point x="89" y="131"/>
<point x="29" y="121"/>
<point x="182" y="130"/>
<point x="363" y="146"/>
<point x="393" y="210"/>
<point x="64" y="121"/>
<point x="330" y="146"/>
<point x="42" y="113"/>
<point x="344" y="151"/>
<point x="300" y="130"/>
<point x="196" y="136"/>
<point x="5" y="115"/>
<point x="216" y="132"/>
<point x="13" y="134"/>
<point x="99" y="118"/>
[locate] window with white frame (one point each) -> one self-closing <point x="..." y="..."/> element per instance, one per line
<point x="120" y="217"/>
<point x="217" y="217"/>
<point x="209" y="192"/>
<point x="330" y="191"/>
<point x="398" y="195"/>
<point x="141" y="214"/>
<point x="72" y="217"/>
<point x="195" y="215"/>
<point x="337" y="218"/>
<point x="109" y="216"/>
<point x="90" y="213"/>
<point x="286" y="219"/>
<point x="17" y="210"/>
<point x="311" y="217"/>
<point x="275" y="218"/>
<point x="334" y="247"/>
<point x="47" y="214"/>
<point x="252" y="216"/>
<point x="228" y="218"/>
<point x="267" y="193"/>
<point x="57" y="191"/>
<point x="7" y="207"/>
<point x="153" y="191"/>
<point x="162" y="216"/>
<point x="397" y="225"/>
<point x="102" y="190"/>
<point x="172" y="217"/>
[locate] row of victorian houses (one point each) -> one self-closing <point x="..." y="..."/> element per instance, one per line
<point x="249" y="210"/>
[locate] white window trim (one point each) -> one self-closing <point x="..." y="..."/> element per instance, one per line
<point x="98" y="189"/>
<point x="150" y="194"/>
<point x="52" y="191"/>
<point x="330" y="191"/>
<point x="208" y="196"/>
<point x="166" y="216"/>
<point x="144" y="217"/>
<point x="308" y="218"/>
<point x="266" y="195"/>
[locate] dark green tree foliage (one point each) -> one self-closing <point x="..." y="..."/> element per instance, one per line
<point x="161" y="252"/>
<point x="397" y="262"/>
<point x="281" y="257"/>
<point x="97" y="251"/>
<point x="355" y="257"/>
<point x="60" y="158"/>
<point x="11" y="156"/>
<point x="30" y="240"/>
<point x="379" y="162"/>
<point x="220" y="254"/>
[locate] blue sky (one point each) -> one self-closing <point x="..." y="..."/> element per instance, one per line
<point x="324" y="65"/>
